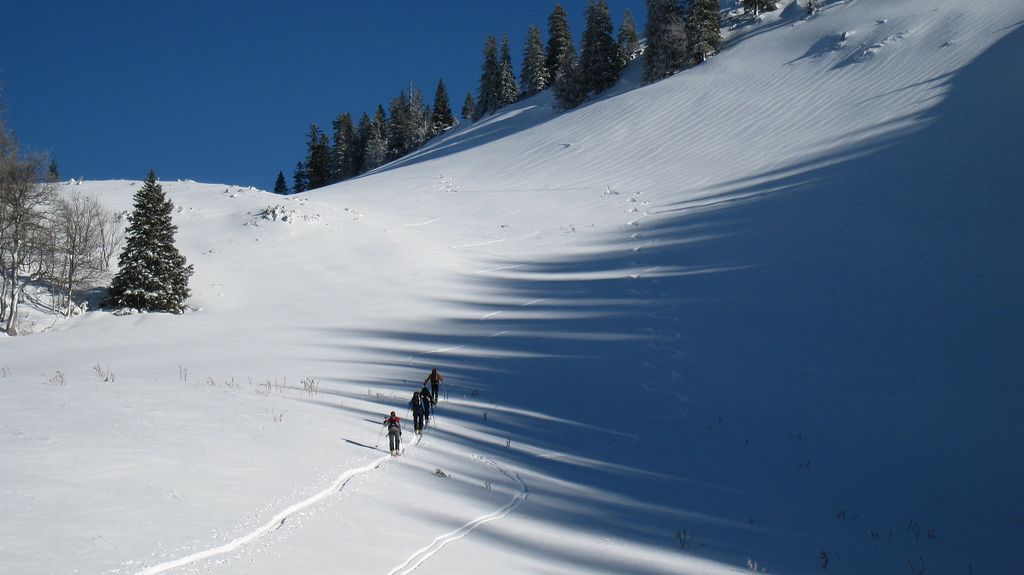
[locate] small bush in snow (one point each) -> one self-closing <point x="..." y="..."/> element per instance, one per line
<point x="59" y="379"/>
<point x="754" y="569"/>
<point x="685" y="538"/>
<point x="440" y="473"/>
<point x="5" y="371"/>
<point x="268" y="386"/>
<point x="310" y="386"/>
<point x="105" y="374"/>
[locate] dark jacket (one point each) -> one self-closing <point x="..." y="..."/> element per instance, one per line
<point x="416" y="404"/>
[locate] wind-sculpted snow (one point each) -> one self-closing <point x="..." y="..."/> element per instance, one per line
<point x="282" y="214"/>
<point x="764" y="309"/>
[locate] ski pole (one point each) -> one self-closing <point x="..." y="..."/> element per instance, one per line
<point x="379" y="437"/>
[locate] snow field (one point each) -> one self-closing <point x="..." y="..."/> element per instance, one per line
<point x="764" y="309"/>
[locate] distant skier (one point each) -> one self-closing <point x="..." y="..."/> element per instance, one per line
<point x="394" y="433"/>
<point x="417" y="407"/>
<point x="435" y="379"/>
<point x="427" y="403"/>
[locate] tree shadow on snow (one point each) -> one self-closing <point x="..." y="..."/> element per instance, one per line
<point x="838" y="334"/>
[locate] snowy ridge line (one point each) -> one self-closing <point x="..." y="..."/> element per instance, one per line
<point x="417" y="558"/>
<point x="275" y="522"/>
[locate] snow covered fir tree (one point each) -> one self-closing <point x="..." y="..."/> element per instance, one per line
<point x="153" y="274"/>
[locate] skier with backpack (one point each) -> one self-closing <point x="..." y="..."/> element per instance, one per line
<point x="427" y="404"/>
<point x="435" y="379"/>
<point x="394" y="425"/>
<point x="418" y="409"/>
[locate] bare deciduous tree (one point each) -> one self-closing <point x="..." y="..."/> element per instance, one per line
<point x="112" y="232"/>
<point x="66" y="242"/>
<point x="77" y="239"/>
<point x="24" y="200"/>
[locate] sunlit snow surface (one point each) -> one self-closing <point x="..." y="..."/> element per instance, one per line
<point x="768" y="309"/>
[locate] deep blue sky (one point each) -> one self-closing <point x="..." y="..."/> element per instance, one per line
<point x="225" y="92"/>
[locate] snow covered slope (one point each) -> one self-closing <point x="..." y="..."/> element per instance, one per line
<point x="766" y="309"/>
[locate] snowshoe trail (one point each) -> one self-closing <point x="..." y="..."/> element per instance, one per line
<point x="417" y="558"/>
<point x="274" y="523"/>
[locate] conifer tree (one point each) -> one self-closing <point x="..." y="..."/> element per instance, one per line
<point x="668" y="49"/>
<point x="153" y="275"/>
<point x="300" y="181"/>
<point x="342" y="148"/>
<point x="52" y="173"/>
<point x="318" y="159"/>
<point x="281" y="186"/>
<point x="757" y="6"/>
<point x="559" y="41"/>
<point x="380" y="123"/>
<point x="704" y="29"/>
<point x="628" y="41"/>
<point x="376" y="146"/>
<point x="376" y="151"/>
<point x="442" y="119"/>
<point x="490" y="80"/>
<point x="508" y="91"/>
<point x="359" y="145"/>
<point x="813" y="6"/>
<point x="419" y="119"/>
<point x="568" y="87"/>
<point x="599" y="55"/>
<point x="533" y="77"/>
<point x="468" y="107"/>
<point x="400" y="127"/>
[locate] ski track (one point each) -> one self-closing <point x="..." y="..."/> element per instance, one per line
<point x="489" y="315"/>
<point x="421" y="555"/>
<point x="425" y="553"/>
<point x="479" y="244"/>
<point x="430" y="221"/>
<point x="417" y="558"/>
<point x="275" y="522"/>
<point x="499" y="268"/>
